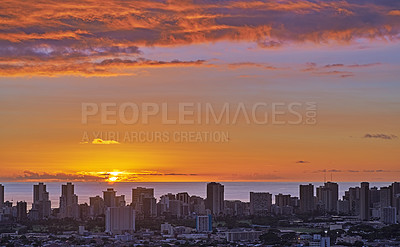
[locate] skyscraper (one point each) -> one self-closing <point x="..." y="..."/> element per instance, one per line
<point x="41" y="206"/>
<point x="184" y="198"/>
<point x="307" y="203"/>
<point x="385" y="197"/>
<point x="69" y="207"/>
<point x="139" y="193"/>
<point x="109" y="197"/>
<point x="364" y="201"/>
<point x="260" y="203"/>
<point x="96" y="206"/>
<point x="215" y="198"/>
<point x="21" y="211"/>
<point x="395" y="193"/>
<point x="138" y="196"/>
<point x="1" y="195"/>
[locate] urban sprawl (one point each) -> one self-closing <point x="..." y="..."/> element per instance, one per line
<point x="364" y="216"/>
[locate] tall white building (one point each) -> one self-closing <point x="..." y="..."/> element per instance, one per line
<point x="120" y="220"/>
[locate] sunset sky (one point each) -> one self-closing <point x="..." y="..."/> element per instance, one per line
<point x="343" y="55"/>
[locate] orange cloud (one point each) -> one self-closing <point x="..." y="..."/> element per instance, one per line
<point x="51" y="37"/>
<point x="89" y="176"/>
<point x="104" y="142"/>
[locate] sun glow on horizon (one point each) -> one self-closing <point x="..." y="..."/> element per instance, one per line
<point x="113" y="176"/>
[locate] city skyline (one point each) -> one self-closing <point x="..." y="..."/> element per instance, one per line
<point x="323" y="74"/>
<point x="186" y="217"/>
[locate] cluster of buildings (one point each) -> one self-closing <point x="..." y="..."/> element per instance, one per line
<point x="364" y="203"/>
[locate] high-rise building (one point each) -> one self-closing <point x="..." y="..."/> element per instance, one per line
<point x="260" y="203"/>
<point x="197" y="205"/>
<point x="282" y="200"/>
<point x="364" y="201"/>
<point x="334" y="195"/>
<point x="343" y="207"/>
<point x="140" y="192"/>
<point x="149" y="207"/>
<point x="307" y="200"/>
<point x="389" y="215"/>
<point x="120" y="220"/>
<point x="120" y="201"/>
<point x="69" y="207"/>
<point x="84" y="211"/>
<point x="41" y="206"/>
<point x="385" y="197"/>
<point x="96" y="206"/>
<point x="184" y="198"/>
<point x="328" y="196"/>
<point x="22" y="211"/>
<point x="234" y="207"/>
<point x="215" y="198"/>
<point x="175" y="208"/>
<point x="353" y="196"/>
<point x="1" y="195"/>
<point x="204" y="223"/>
<point x="109" y="197"/>
<point x="395" y="194"/>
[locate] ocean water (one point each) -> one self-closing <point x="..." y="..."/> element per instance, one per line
<point x="233" y="190"/>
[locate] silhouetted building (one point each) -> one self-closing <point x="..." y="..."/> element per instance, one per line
<point x="96" y="206"/>
<point x="197" y="205"/>
<point x="120" y="201"/>
<point x="149" y="207"/>
<point x="307" y="200"/>
<point x="385" y="197"/>
<point x="69" y="207"/>
<point x="389" y="215"/>
<point x="184" y="198"/>
<point x="109" y="197"/>
<point x="84" y="211"/>
<point x="234" y="207"/>
<point x="22" y="213"/>
<point x="41" y="206"/>
<point x="138" y="194"/>
<point x="364" y="201"/>
<point x="282" y="200"/>
<point x="1" y="195"/>
<point x="328" y="196"/>
<point x="260" y="203"/>
<point x="215" y="198"/>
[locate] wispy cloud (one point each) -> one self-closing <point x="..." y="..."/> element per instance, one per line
<point x="302" y="162"/>
<point x="381" y="136"/>
<point x="351" y="171"/>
